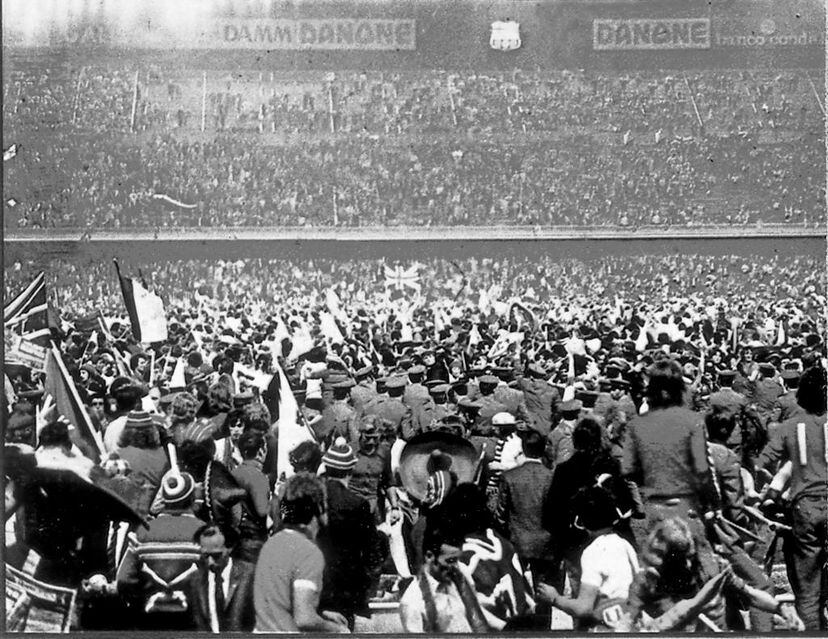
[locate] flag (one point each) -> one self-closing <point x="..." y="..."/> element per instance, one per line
<point x="9" y="153"/>
<point x="146" y="310"/>
<point x="291" y="430"/>
<point x="329" y="328"/>
<point x="29" y="316"/>
<point x="522" y="315"/>
<point x="178" y="382"/>
<point x="68" y="403"/>
<point x="400" y="278"/>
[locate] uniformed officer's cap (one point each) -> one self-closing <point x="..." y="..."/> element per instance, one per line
<point x="571" y="406"/>
<point x="620" y="384"/>
<point x="417" y="370"/>
<point x="382" y="384"/>
<point x="605" y="384"/>
<point x="767" y="369"/>
<point x="362" y="373"/>
<point x="503" y="372"/>
<point x="439" y="389"/>
<point x="343" y="385"/>
<point x="536" y="370"/>
<point x="431" y="383"/>
<point x="491" y="380"/>
<point x="727" y="375"/>
<point x="789" y="374"/>
<point x="461" y="387"/>
<point x="503" y="419"/>
<point x="588" y="398"/>
<point x="395" y="383"/>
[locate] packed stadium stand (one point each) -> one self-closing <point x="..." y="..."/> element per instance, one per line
<point x="187" y="139"/>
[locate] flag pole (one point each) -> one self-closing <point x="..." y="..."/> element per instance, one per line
<point x="203" y="101"/>
<point x="134" y="104"/>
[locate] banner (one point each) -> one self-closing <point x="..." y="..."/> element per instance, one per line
<point x="146" y="310"/>
<point x="644" y="34"/>
<point x="333" y="34"/>
<point x="35" y="606"/>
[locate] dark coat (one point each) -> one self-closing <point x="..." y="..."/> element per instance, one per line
<point x="238" y="613"/>
<point x="350" y="544"/>
<point x="522" y="495"/>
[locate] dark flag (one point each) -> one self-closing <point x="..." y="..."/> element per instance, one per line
<point x="68" y="403"/>
<point x="146" y="310"/>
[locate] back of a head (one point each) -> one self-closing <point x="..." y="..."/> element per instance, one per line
<point x="303" y="500"/>
<point x="595" y="507"/>
<point x="466" y="512"/>
<point x="720" y="424"/>
<point x="666" y="386"/>
<point x="55" y="435"/>
<point x="257" y="416"/>
<point x="306" y="457"/>
<point x="670" y="547"/>
<point x="811" y="394"/>
<point x="250" y="443"/>
<point x="534" y="444"/>
<point x="588" y="436"/>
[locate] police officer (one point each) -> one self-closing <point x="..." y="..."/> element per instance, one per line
<point x="394" y="413"/>
<point x="541" y="398"/>
<point x="415" y="393"/>
<point x="488" y="406"/>
<point x="559" y="446"/>
<point x="786" y="405"/>
<point x="371" y="474"/>
<point x="766" y="391"/>
<point x="509" y="395"/>
<point x="365" y="390"/>
<point x="802" y="441"/>
<point x="339" y="419"/>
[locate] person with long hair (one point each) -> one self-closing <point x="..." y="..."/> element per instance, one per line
<point x="665" y="453"/>
<point x="673" y="570"/>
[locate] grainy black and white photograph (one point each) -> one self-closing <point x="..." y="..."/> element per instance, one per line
<point x="414" y="316"/>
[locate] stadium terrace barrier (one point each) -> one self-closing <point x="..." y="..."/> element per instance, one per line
<point x="411" y="233"/>
<point x="409" y="34"/>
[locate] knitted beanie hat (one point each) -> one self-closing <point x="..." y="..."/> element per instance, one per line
<point x="439" y="484"/>
<point x="340" y="456"/>
<point x="177" y="489"/>
<point x="138" y="419"/>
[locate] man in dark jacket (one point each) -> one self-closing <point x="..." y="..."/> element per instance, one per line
<point x="221" y="595"/>
<point x="350" y="542"/>
<point x="520" y="507"/>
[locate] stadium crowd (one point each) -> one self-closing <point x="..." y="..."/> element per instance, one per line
<point x="488" y="443"/>
<point x="434" y="148"/>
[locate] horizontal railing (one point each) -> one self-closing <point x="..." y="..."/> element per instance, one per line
<point x="415" y="233"/>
